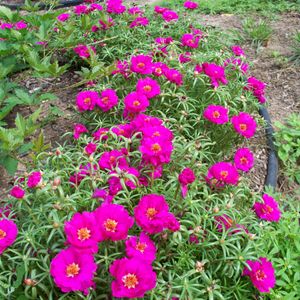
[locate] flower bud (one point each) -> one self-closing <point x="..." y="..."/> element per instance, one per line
<point x="30" y="282"/>
<point x="216" y="209"/>
<point x="55" y="225"/>
<point x="199" y="266"/>
<point x="56" y="181"/>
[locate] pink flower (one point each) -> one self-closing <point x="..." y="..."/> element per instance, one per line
<point x="111" y="159"/>
<point x="156" y="151"/>
<point x="257" y="88"/>
<point x="185" y="57"/>
<point x="8" y="234"/>
<point x="107" y="100"/>
<point x="142" y="121"/>
<point x="81" y="9"/>
<point x="216" y="114"/>
<point x="122" y="68"/>
<point x="63" y="17"/>
<point x="73" y="271"/>
<point x="114" y="181"/>
<point x="174" y="76"/>
<point x="86" y="100"/>
<point x="20" y="25"/>
<point x="148" y="87"/>
<point x="159" y="68"/>
<point x="223" y="221"/>
<point x="190" y="5"/>
<point x="236" y="62"/>
<point x="115" y="7"/>
<point x="187" y="176"/>
<point x="133" y="278"/>
<point x="269" y="210"/>
<point x="34" y="179"/>
<point x="244" y="159"/>
<point x="237" y="50"/>
<point x="198" y="69"/>
<point x="222" y="173"/>
<point x="139" y="21"/>
<point x="6" y="26"/>
<point x="82" y="232"/>
<point x="84" y="51"/>
<point x="190" y="40"/>
<point x="113" y="222"/>
<point x="90" y="148"/>
<point x="152" y="214"/>
<point x="157" y="132"/>
<point x="135" y="11"/>
<point x="244" y="124"/>
<point x="17" y="192"/>
<point x="103" y="194"/>
<point x="216" y="74"/>
<point x="96" y="6"/>
<point x="262" y="274"/>
<point x="141" y="64"/>
<point x="160" y="10"/>
<point x="141" y="247"/>
<point x="170" y="15"/>
<point x="78" y="130"/>
<point x="123" y="130"/>
<point x="100" y="134"/>
<point x="136" y="102"/>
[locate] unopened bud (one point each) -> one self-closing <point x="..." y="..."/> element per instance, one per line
<point x="56" y="181"/>
<point x="216" y="209"/>
<point x="29" y="282"/>
<point x="57" y="152"/>
<point x="55" y="225"/>
<point x="57" y="206"/>
<point x="91" y="158"/>
<point x="199" y="266"/>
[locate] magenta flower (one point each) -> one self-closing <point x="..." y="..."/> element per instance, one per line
<point x="135" y="10"/>
<point x="223" y="221"/>
<point x="152" y="214"/>
<point x="78" y="130"/>
<point x="63" y="17"/>
<point x="8" y="234"/>
<point x="174" y="76"/>
<point x="115" y="7"/>
<point x="136" y="102"/>
<point x="170" y="15"/>
<point x="141" y="121"/>
<point x="141" y="247"/>
<point x="244" y="159"/>
<point x="141" y="64"/>
<point x="244" y="124"/>
<point x="269" y="210"/>
<point x="111" y="159"/>
<point x="262" y="274"/>
<point x="237" y="50"/>
<point x="82" y="232"/>
<point x="122" y="68"/>
<point x="73" y="271"/>
<point x="185" y="57"/>
<point x="159" y="69"/>
<point x="90" y="148"/>
<point x="156" y="151"/>
<point x="190" y="40"/>
<point x="106" y="24"/>
<point x="222" y="173"/>
<point x="84" y="51"/>
<point x="216" y="74"/>
<point x="100" y="134"/>
<point x="34" y="179"/>
<point x="157" y="132"/>
<point x="133" y="278"/>
<point x="96" y="6"/>
<point x="102" y="194"/>
<point x="6" y="26"/>
<point x="20" y="25"/>
<point x="139" y="21"/>
<point x="159" y="9"/>
<point x="216" y="114"/>
<point x="86" y="100"/>
<point x="113" y="222"/>
<point x="148" y="87"/>
<point x="187" y="176"/>
<point x="17" y="192"/>
<point x="190" y="5"/>
<point x="257" y="88"/>
<point x="81" y="9"/>
<point x="107" y="100"/>
<point x="123" y="130"/>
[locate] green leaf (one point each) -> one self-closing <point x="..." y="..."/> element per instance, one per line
<point x="6" y="12"/>
<point x="20" y="274"/>
<point x="10" y="164"/>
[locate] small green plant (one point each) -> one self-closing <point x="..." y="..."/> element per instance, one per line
<point x="288" y="144"/>
<point x="296" y="49"/>
<point x="257" y="32"/>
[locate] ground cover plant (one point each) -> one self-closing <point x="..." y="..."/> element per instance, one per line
<point x="150" y="199"/>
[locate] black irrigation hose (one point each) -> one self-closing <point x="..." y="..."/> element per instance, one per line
<point x="272" y="169"/>
<point x="43" y="6"/>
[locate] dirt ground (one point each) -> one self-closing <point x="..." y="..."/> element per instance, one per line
<point x="283" y="90"/>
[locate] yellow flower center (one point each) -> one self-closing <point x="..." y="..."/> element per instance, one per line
<point x="267" y="209"/>
<point x="190" y="41"/>
<point x="147" y="88"/>
<point x="151" y="212"/>
<point x="141" y="65"/>
<point x="105" y="100"/>
<point x="156" y="147"/>
<point x="141" y="247"/>
<point x="260" y="275"/>
<point x="224" y="174"/>
<point x="110" y="225"/>
<point x="156" y="133"/>
<point x="243" y="160"/>
<point x="83" y="234"/>
<point x="136" y="103"/>
<point x="87" y="100"/>
<point x="216" y="114"/>
<point x="112" y="159"/>
<point x="2" y="234"/>
<point x="243" y="127"/>
<point x="72" y="270"/>
<point x="158" y="70"/>
<point x="130" y="281"/>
